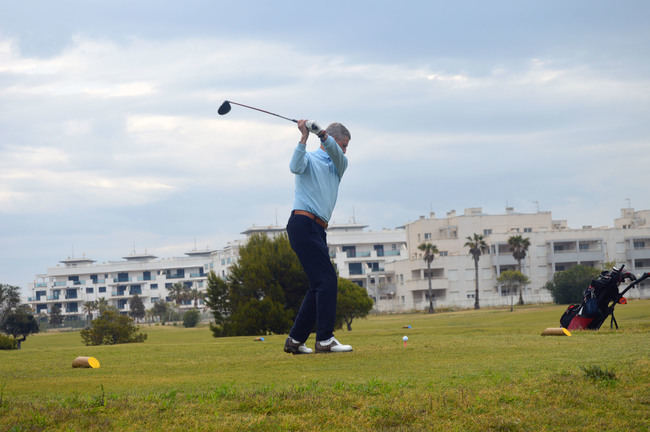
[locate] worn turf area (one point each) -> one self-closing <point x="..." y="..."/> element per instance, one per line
<point x="487" y="370"/>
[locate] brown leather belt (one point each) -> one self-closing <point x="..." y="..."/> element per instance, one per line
<point x="311" y="216"/>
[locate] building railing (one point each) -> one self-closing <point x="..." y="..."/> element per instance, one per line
<point x="118" y="280"/>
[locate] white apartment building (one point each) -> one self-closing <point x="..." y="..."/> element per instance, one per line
<point x="76" y="281"/>
<point x="553" y="247"/>
<point x="387" y="263"/>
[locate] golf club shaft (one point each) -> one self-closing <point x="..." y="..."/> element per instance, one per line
<point x="264" y="111"/>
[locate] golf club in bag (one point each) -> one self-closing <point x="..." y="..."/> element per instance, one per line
<point x="225" y="109"/>
<point x="599" y="301"/>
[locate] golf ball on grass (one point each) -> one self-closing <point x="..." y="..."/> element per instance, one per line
<point x="405" y="338"/>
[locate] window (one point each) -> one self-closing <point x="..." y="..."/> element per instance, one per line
<point x="122" y="277"/>
<point x="146" y="275"/>
<point x="89" y="290"/>
<point x="527" y="230"/>
<point x="443" y="253"/>
<point x="427" y="236"/>
<point x="102" y="289"/>
<point x="355" y="268"/>
<point x="379" y="249"/>
<point x="487" y="232"/>
<point x="153" y="286"/>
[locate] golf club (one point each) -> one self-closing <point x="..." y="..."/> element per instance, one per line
<point x="225" y="109"/>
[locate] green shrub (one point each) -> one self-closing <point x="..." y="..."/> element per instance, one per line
<point x="7" y="343"/>
<point x="568" y="286"/>
<point x="112" y="328"/>
<point x="191" y="318"/>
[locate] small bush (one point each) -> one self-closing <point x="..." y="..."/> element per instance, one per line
<point x="7" y="343"/>
<point x="112" y="328"/>
<point x="191" y="318"/>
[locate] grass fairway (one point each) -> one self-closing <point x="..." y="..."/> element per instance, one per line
<point x="487" y="370"/>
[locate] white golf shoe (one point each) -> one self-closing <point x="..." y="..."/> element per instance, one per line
<point x="331" y="345"/>
<point x="295" y="347"/>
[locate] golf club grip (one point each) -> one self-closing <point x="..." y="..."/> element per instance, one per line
<point x="264" y="111"/>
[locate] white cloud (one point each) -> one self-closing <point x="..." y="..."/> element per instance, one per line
<point x="133" y="122"/>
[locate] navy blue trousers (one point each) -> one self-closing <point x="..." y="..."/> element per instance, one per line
<point x="309" y="241"/>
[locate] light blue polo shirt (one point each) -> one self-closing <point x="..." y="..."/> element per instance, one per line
<point x="318" y="175"/>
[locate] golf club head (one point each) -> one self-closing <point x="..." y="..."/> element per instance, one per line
<point x="224" y="108"/>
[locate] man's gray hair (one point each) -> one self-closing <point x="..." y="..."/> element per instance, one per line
<point x="338" y="131"/>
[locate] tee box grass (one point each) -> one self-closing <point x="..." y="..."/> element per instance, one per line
<point x="485" y="370"/>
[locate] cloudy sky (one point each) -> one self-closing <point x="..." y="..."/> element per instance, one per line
<point x="109" y="138"/>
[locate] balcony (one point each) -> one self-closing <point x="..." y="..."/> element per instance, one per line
<point x="120" y="280"/>
<point x="195" y="275"/>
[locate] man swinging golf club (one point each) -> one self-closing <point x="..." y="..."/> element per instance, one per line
<point x="318" y="175"/>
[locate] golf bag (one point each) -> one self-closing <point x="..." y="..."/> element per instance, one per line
<point x="599" y="301"/>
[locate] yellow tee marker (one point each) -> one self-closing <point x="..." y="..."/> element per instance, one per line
<point x="85" y="362"/>
<point x="551" y="331"/>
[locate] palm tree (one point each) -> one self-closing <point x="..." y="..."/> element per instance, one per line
<point x="519" y="247"/>
<point x="429" y="253"/>
<point x="102" y="305"/>
<point x="196" y="295"/>
<point x="178" y="293"/>
<point x="477" y="246"/>
<point x="89" y="307"/>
